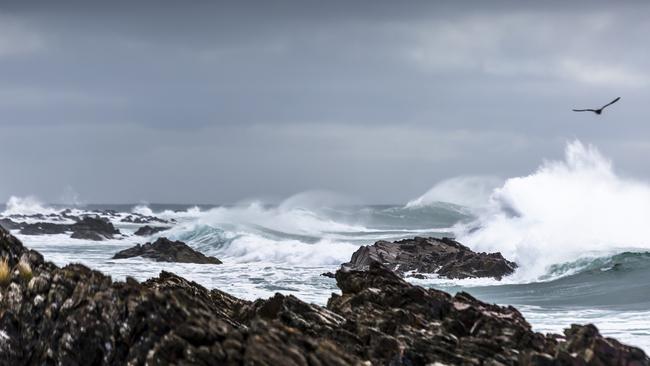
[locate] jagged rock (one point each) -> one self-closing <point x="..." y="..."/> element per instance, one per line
<point x="43" y="228"/>
<point x="77" y="316"/>
<point x="444" y="257"/>
<point x="150" y="230"/>
<point x="165" y="250"/>
<point x="143" y="219"/>
<point x="93" y="228"/>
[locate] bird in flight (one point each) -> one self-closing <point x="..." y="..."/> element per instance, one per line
<point x="599" y="110"/>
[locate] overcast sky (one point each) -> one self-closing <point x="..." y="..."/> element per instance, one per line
<point x="215" y="102"/>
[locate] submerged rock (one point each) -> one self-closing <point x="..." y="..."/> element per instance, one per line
<point x="76" y="316"/>
<point x="165" y="250"/>
<point x="135" y="218"/>
<point x="445" y="257"/>
<point x="150" y="230"/>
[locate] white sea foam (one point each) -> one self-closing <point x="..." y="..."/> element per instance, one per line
<point x="255" y="248"/>
<point x="29" y="205"/>
<point x="142" y="209"/>
<point x="630" y="327"/>
<point x="577" y="207"/>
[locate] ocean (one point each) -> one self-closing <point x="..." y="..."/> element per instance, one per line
<point x="579" y="232"/>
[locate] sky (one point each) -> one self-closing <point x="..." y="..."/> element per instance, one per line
<point x="223" y="102"/>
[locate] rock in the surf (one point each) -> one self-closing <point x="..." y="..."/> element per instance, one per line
<point x="165" y="250"/>
<point x="9" y="224"/>
<point x="150" y="230"/>
<point x="93" y="228"/>
<point x="43" y="228"/>
<point x="444" y="257"/>
<point x="135" y="218"/>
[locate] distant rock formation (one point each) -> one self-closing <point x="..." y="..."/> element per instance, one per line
<point x="150" y="230"/>
<point x="9" y="224"/>
<point x="43" y="228"/>
<point x="165" y="250"/>
<point x="143" y="219"/>
<point x="91" y="228"/>
<point x="444" y="257"/>
<point x="86" y="227"/>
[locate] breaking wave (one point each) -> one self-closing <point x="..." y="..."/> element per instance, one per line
<point x="566" y="211"/>
<point x="29" y="205"/>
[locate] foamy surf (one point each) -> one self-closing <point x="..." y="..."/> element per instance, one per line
<point x="566" y="210"/>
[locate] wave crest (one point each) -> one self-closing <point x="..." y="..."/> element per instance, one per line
<point x="565" y="210"/>
<point x="468" y="191"/>
<point x="28" y="205"/>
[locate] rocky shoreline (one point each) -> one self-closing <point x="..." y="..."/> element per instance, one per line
<point x="76" y="316"/>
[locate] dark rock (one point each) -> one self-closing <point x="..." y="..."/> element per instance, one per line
<point x="77" y="316"/>
<point x="43" y="228"/>
<point x="328" y="274"/>
<point x="87" y="227"/>
<point x="143" y="219"/>
<point x="38" y="228"/>
<point x="67" y="214"/>
<point x="444" y="257"/>
<point x="165" y="250"/>
<point x="150" y="230"/>
<point x="93" y="228"/>
<point x="9" y="224"/>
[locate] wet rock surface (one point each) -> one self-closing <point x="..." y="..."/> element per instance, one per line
<point x="144" y="219"/>
<point x="93" y="228"/>
<point x="444" y="257"/>
<point x="150" y="230"/>
<point x="76" y="316"/>
<point x="165" y="250"/>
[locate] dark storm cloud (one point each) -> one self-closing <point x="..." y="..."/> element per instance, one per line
<point x="209" y="101"/>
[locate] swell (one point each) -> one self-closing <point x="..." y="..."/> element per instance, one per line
<point x="617" y="282"/>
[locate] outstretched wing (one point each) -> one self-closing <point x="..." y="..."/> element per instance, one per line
<point x="610" y="103"/>
<point x="584" y="110"/>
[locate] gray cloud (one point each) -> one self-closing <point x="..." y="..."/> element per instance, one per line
<point x="218" y="102"/>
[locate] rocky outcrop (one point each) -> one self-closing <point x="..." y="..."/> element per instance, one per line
<point x="87" y="227"/>
<point x="150" y="230"/>
<point x="93" y="228"/>
<point x="39" y="228"/>
<point x="77" y="316"/>
<point x="165" y="250"/>
<point x="144" y="219"/>
<point x="43" y="228"/>
<point x="444" y="257"/>
<point x="9" y="224"/>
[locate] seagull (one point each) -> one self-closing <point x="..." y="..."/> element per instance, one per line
<point x="599" y="110"/>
